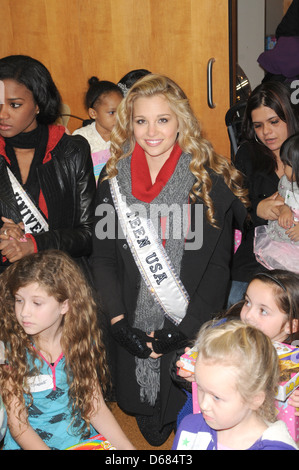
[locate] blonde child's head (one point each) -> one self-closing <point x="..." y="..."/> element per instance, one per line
<point x="250" y="356"/>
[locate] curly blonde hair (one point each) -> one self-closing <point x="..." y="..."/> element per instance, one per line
<point x="81" y="340"/>
<point x="190" y="140"/>
<point x="250" y="352"/>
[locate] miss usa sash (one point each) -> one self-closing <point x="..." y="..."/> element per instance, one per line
<point x="31" y="217"/>
<point x="151" y="258"/>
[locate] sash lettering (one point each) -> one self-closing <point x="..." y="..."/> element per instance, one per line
<point x="151" y="258"/>
<point x="31" y="217"/>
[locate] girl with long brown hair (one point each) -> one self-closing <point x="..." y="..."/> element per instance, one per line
<point x="55" y="376"/>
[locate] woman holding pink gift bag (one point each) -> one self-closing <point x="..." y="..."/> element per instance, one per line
<point x="276" y="245"/>
<point x="270" y="118"/>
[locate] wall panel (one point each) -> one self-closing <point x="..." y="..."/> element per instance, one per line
<point x="76" y="39"/>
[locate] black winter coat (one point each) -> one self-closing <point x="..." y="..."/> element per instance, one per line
<point x="205" y="274"/>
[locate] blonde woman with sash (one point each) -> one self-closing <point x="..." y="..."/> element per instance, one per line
<point x="165" y="211"/>
<point x="47" y="186"/>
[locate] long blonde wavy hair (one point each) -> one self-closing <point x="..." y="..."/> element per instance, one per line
<point x="190" y="140"/>
<point x="81" y="339"/>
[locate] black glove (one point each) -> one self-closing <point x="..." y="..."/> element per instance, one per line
<point x="132" y="339"/>
<point x="168" y="340"/>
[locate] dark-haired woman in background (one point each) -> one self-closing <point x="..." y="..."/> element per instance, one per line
<point x="101" y="102"/>
<point x="47" y="184"/>
<point x="270" y="118"/>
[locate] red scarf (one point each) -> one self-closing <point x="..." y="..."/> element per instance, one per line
<point x="142" y="187"/>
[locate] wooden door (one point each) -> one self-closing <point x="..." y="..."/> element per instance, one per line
<point x="76" y="39"/>
<point x="286" y="4"/>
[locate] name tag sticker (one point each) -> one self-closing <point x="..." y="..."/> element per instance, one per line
<point x="40" y="383"/>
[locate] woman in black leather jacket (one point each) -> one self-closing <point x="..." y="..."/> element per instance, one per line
<point x="47" y="184"/>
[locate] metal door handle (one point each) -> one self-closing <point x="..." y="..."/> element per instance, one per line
<point x="210" y="83"/>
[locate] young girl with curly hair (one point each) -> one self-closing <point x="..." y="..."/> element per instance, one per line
<point x="55" y="376"/>
<point x="176" y="201"/>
